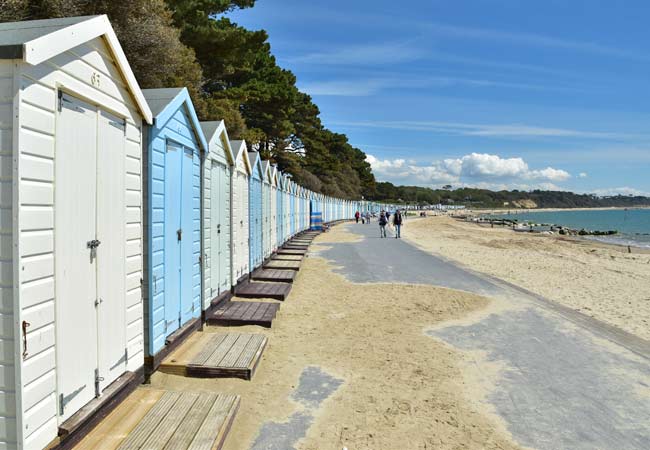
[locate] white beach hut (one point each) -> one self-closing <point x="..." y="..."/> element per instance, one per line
<point x="273" y="178"/>
<point x="240" y="213"/>
<point x="218" y="167"/>
<point x="71" y="116"/>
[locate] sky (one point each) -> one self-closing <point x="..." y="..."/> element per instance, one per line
<point x="500" y="94"/>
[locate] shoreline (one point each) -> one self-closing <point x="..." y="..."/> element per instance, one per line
<point x="533" y="210"/>
<point x="599" y="279"/>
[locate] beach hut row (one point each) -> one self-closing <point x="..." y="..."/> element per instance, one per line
<point x="124" y="218"/>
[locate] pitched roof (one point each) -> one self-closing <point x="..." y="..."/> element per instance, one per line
<point x="215" y="130"/>
<point x="35" y="41"/>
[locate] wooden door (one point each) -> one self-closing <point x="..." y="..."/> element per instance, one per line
<point x="111" y="160"/>
<point x="76" y="260"/>
<point x="173" y="236"/>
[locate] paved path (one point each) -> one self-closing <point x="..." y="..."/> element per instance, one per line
<point x="568" y="381"/>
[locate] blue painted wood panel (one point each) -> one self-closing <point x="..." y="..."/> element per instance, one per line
<point x="173" y="205"/>
<point x="255" y="214"/>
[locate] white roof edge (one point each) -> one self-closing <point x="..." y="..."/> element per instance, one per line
<point x="45" y="47"/>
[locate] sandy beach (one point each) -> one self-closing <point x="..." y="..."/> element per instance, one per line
<point x="400" y="389"/>
<point x="602" y="281"/>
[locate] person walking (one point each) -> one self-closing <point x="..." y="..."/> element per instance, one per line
<point x="367" y="216"/>
<point x="382" y="224"/>
<point x="397" y="221"/>
<point x="356" y="216"/>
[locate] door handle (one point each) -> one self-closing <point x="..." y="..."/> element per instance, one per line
<point x="179" y="234"/>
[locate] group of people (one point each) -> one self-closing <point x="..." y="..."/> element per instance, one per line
<point x="384" y="219"/>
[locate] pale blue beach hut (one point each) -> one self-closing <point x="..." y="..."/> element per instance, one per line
<point x="172" y="216"/>
<point x="255" y="204"/>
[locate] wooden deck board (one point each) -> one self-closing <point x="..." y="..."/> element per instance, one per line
<point x="287" y="257"/>
<point x="282" y="276"/>
<point x="276" y="291"/>
<point x="286" y="265"/>
<point x="152" y="419"/>
<point x="241" y="313"/>
<point x="290" y="251"/>
<point x="232" y="355"/>
<point x="220" y="417"/>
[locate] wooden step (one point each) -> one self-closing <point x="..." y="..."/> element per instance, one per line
<point x="283" y="265"/>
<point x="229" y="355"/>
<point x="217" y="355"/>
<point x="295" y="247"/>
<point x="276" y="291"/>
<point x="160" y="420"/>
<point x="233" y="314"/>
<point x="282" y="257"/>
<point x="289" y="251"/>
<point x="281" y="276"/>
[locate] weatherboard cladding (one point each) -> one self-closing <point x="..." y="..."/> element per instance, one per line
<point x="174" y="142"/>
<point x="273" y="218"/>
<point x="217" y="231"/>
<point x="240" y="213"/>
<point x="255" y="211"/>
<point x="28" y="135"/>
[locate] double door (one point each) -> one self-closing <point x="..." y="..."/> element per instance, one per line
<point x="179" y="237"/>
<point x="89" y="211"/>
<point x="219" y="228"/>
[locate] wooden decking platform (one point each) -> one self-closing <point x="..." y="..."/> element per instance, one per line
<point x="153" y="419"/>
<point x="289" y="251"/>
<point x="300" y="241"/>
<point x="281" y="276"/>
<point x="283" y="265"/>
<point x="233" y="314"/>
<point x="276" y="291"/>
<point x="283" y="257"/>
<point x="295" y="247"/>
<point x="217" y="355"/>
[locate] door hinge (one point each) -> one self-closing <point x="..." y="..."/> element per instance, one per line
<point x="98" y="380"/>
<point x="98" y="302"/>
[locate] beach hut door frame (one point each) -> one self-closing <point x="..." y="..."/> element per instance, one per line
<point x="178" y="246"/>
<point x="89" y="232"/>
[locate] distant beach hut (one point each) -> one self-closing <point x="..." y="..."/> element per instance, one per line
<point x="172" y="217"/>
<point x="71" y="119"/>
<point x="273" y="179"/>
<point x="240" y="213"/>
<point x="255" y="205"/>
<point x="218" y="167"/>
<point x="280" y="203"/>
<point x="267" y="228"/>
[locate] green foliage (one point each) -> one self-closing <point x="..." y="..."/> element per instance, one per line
<point x="231" y="74"/>
<point x="483" y="198"/>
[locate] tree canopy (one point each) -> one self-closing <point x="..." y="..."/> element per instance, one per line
<point x="231" y="74"/>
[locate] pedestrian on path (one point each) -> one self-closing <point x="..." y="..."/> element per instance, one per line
<point x="382" y="224"/>
<point x="356" y="216"/>
<point x="367" y="216"/>
<point x="397" y="221"/>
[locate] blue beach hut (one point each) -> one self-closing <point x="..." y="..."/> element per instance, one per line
<point x="292" y="208"/>
<point x="172" y="216"/>
<point x="255" y="204"/>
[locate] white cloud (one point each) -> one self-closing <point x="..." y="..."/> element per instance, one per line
<point x="485" y="130"/>
<point x="531" y="39"/>
<point x="582" y="175"/>
<point x="367" y="54"/>
<point x="475" y="169"/>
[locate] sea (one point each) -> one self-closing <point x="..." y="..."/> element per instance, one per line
<point x="633" y="225"/>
